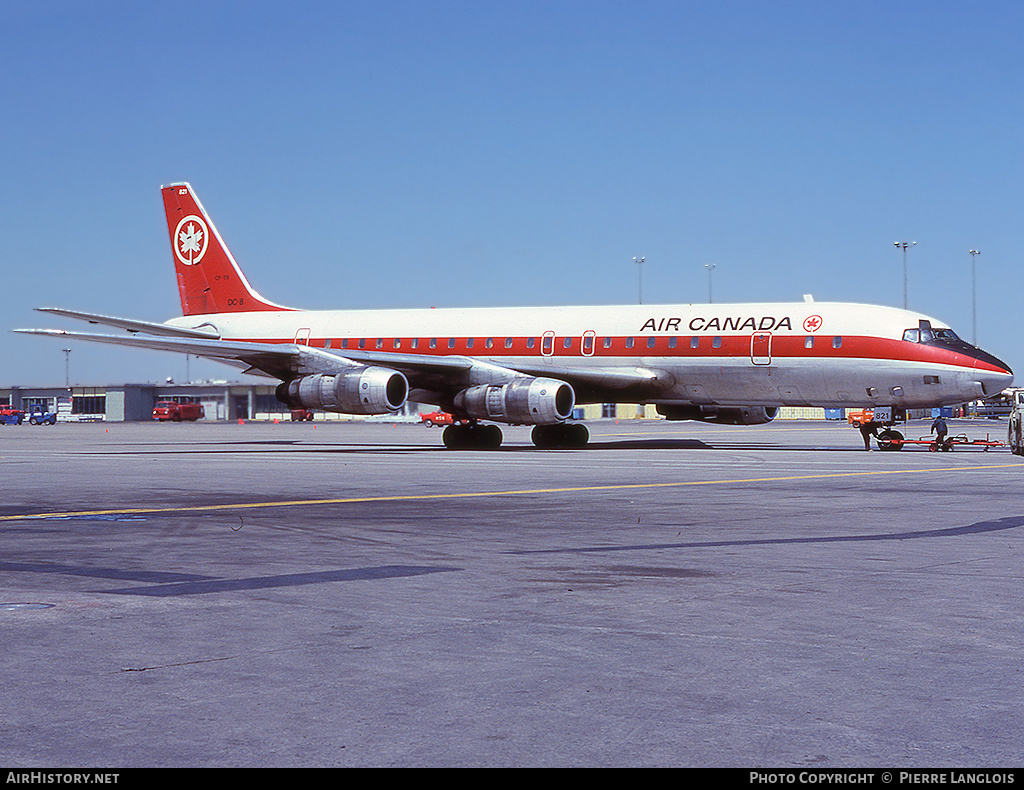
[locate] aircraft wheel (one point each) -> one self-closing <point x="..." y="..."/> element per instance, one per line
<point x="560" y="436"/>
<point x="548" y="437"/>
<point x="453" y="438"/>
<point x="579" y="435"/>
<point x="890" y="440"/>
<point x="469" y="437"/>
<point x="541" y="436"/>
<point x="490" y="436"/>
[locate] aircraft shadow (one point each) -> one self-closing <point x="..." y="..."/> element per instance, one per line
<point x="277" y="447"/>
<point x="152" y="577"/>
<point x="1010" y="522"/>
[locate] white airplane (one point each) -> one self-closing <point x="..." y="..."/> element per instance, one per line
<point x="727" y="363"/>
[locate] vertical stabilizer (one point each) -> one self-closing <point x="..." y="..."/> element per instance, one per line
<point x="209" y="280"/>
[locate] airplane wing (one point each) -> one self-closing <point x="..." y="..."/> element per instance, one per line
<point x="280" y="360"/>
<point x="598" y="384"/>
<point x="478" y="371"/>
<point x="271" y="359"/>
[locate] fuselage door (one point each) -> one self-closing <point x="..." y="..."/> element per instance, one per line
<point x="587" y="344"/>
<point x="302" y="336"/>
<point x="761" y="348"/>
<point x="547" y="344"/>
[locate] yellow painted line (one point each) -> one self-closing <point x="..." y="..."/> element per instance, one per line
<point x="483" y="494"/>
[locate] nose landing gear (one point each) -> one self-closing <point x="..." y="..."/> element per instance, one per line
<point x="889" y="440"/>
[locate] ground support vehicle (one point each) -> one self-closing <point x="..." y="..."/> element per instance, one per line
<point x="11" y="416"/>
<point x="1015" y="431"/>
<point x="440" y="418"/>
<point x="301" y="415"/>
<point x="40" y="417"/>
<point x="176" y="412"/>
<point x="856" y="418"/>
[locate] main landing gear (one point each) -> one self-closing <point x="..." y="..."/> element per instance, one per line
<point x="560" y="435"/>
<point x="473" y="436"/>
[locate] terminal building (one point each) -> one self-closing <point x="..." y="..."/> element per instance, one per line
<point x="135" y="402"/>
<point x="222" y="400"/>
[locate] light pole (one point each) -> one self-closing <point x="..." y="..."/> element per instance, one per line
<point x="67" y="368"/>
<point x="710" y="267"/>
<point x="974" y="299"/>
<point x="904" y="245"/>
<point x="640" y="279"/>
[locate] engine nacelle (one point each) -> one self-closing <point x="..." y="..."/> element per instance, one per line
<point x="526" y="401"/>
<point x="361" y="391"/>
<point x="724" y="415"/>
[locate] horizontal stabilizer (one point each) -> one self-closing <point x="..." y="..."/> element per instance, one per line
<point x="130" y="324"/>
<point x="209" y="347"/>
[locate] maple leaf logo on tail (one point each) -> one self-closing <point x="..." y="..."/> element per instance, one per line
<point x="191" y="239"/>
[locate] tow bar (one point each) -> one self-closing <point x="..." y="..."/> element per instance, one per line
<point x="892" y="440"/>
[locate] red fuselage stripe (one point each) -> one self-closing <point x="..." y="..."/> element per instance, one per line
<point x="639" y="346"/>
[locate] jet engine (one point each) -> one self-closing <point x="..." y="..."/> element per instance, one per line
<point x="725" y="415"/>
<point x="362" y="391"/>
<point x="525" y="401"/>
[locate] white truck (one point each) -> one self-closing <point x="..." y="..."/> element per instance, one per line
<point x="1015" y="432"/>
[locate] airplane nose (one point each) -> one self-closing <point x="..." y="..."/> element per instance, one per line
<point x="993" y="383"/>
<point x="994" y="375"/>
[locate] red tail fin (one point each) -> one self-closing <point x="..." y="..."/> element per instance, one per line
<point x="209" y="280"/>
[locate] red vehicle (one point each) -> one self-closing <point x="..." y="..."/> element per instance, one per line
<point x="302" y="415"/>
<point x="176" y="412"/>
<point x="11" y="416"/>
<point x="856" y="418"/>
<point x="439" y="418"/>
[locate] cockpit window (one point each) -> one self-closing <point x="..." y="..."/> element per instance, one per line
<point x="927" y="335"/>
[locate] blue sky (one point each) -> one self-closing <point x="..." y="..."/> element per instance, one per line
<point x="414" y="154"/>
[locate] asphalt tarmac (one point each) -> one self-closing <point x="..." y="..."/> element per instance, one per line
<point x="343" y="594"/>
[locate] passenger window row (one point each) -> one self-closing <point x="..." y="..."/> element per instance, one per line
<point x="547" y="342"/>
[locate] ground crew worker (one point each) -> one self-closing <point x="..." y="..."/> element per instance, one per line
<point x="940" y="430"/>
<point x="867" y="430"/>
